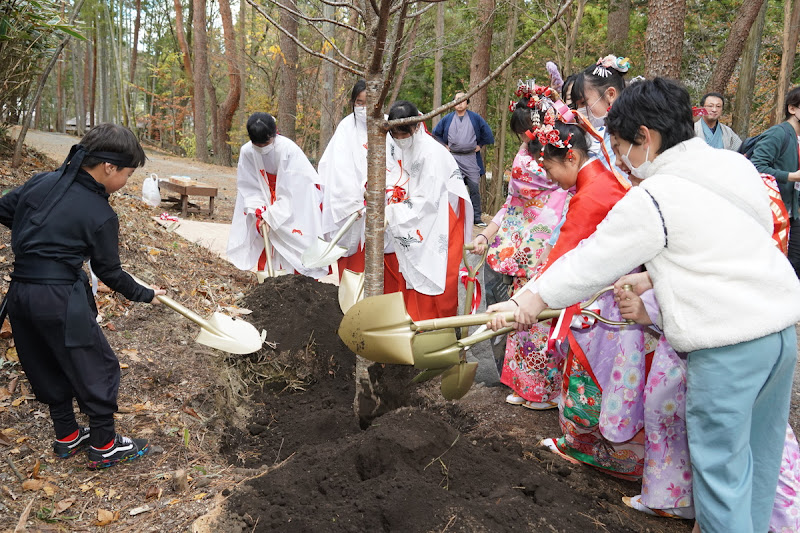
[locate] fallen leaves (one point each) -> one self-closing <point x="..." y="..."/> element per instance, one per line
<point x="63" y="505"/>
<point x="11" y="355"/>
<point x="106" y="517"/>
<point x="33" y="484"/>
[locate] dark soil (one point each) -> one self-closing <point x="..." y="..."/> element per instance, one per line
<point x="425" y="465"/>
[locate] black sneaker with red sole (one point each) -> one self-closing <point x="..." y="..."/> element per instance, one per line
<point x="123" y="450"/>
<point x="68" y="449"/>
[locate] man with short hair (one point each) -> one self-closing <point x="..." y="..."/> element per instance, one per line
<point x="465" y="138"/>
<point x="711" y="129"/>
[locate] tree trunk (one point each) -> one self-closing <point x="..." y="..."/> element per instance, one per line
<point x="663" y="44"/>
<point x="93" y="92"/>
<point x="135" y="47"/>
<point x="723" y="69"/>
<point x="743" y="102"/>
<point x="231" y="103"/>
<point x="398" y="80"/>
<point x="243" y="53"/>
<point x="60" y="97"/>
<point x="329" y="109"/>
<point x="287" y="97"/>
<point x="497" y="198"/>
<point x="572" y="36"/>
<point x="16" y="159"/>
<point x="619" y="24"/>
<point x="77" y="89"/>
<point x="180" y="34"/>
<point x="437" y="61"/>
<point x="200" y="69"/>
<point x="791" y="30"/>
<point x="479" y="65"/>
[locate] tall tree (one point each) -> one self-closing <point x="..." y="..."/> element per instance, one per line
<point x="572" y="35"/>
<point x="412" y="40"/>
<point x="619" y="25"/>
<point x="228" y="108"/>
<point x="479" y="65"/>
<point x="743" y="101"/>
<point x="329" y="110"/>
<point x="287" y="96"/>
<point x="437" y="60"/>
<point x="180" y="34"/>
<point x="723" y="68"/>
<point x="791" y="31"/>
<point x="200" y="68"/>
<point x="663" y="44"/>
<point x="135" y="47"/>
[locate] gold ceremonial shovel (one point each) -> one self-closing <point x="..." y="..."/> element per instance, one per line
<point x="220" y="331"/>
<point x="472" y="271"/>
<point x="322" y="254"/>
<point x="351" y="289"/>
<point x="270" y="273"/>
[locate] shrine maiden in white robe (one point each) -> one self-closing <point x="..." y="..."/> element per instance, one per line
<point x="294" y="219"/>
<point x="418" y="227"/>
<point x="343" y="172"/>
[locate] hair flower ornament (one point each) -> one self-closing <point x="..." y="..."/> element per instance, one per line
<point x="620" y="64"/>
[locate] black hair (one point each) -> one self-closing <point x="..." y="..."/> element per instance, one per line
<point x="660" y="104"/>
<point x="793" y="99"/>
<point x="261" y="128"/>
<point x="109" y="137"/>
<point x="568" y="90"/>
<point x="521" y="120"/>
<point x="358" y="88"/>
<point x="403" y="109"/>
<point x="578" y="141"/>
<point x="714" y="94"/>
<point x="614" y="79"/>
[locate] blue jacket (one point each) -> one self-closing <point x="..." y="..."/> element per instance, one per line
<point x="483" y="133"/>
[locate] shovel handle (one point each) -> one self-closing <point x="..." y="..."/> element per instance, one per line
<point x="477" y="337"/>
<point x="474" y="320"/>
<point x="339" y="234"/>
<point x="267" y="250"/>
<point x="182" y="310"/>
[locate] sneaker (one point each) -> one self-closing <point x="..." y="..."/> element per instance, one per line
<point x="481" y="224"/>
<point x="66" y="449"/>
<point x="122" y="450"/>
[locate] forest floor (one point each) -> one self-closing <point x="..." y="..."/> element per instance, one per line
<point x="269" y="442"/>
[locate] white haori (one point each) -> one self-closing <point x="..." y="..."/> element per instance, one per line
<point x="343" y="172"/>
<point x="294" y="219"/>
<point x="418" y="228"/>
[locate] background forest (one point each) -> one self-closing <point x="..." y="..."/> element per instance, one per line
<point x="179" y="71"/>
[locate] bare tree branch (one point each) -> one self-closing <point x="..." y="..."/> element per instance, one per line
<point x="308" y="50"/>
<point x="380" y="35"/>
<point x="416" y="14"/>
<point x="375" y="7"/>
<point x="345" y="5"/>
<point x="398" y="44"/>
<point x="510" y="59"/>
<point x="319" y="20"/>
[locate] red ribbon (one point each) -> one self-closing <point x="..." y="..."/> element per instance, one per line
<point x="397" y="195"/>
<point x="464" y="277"/>
<point x="260" y="214"/>
<point x="167" y="216"/>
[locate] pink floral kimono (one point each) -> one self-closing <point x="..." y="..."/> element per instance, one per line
<point x="533" y="208"/>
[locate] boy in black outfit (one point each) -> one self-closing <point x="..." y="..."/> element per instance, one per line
<point x="58" y="220"/>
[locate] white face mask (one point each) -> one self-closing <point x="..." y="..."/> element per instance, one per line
<point x="360" y="113"/>
<point x="265" y="150"/>
<point x="404" y="144"/>
<point x="637" y="172"/>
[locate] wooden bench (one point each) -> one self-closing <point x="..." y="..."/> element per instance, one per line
<point x="187" y="189"/>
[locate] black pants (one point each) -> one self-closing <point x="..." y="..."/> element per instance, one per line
<point x="58" y="374"/>
<point x="794" y="245"/>
<point x="474" y="187"/>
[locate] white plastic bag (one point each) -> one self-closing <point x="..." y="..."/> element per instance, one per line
<point x="150" y="193"/>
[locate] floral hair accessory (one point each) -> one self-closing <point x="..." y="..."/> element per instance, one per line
<point x="620" y="64"/>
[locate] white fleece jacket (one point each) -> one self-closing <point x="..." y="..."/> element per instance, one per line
<point x="701" y="223"/>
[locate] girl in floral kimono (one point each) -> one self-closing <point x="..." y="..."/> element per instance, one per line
<point x="516" y="238"/>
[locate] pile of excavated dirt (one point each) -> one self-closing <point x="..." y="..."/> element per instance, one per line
<point x="424" y="465"/>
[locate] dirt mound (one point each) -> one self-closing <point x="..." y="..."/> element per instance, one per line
<point x="424" y="465"/>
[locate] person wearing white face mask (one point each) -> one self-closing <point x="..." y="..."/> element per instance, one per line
<point x="428" y="219"/>
<point x="700" y="222"/>
<point x="343" y="171"/>
<point x="276" y="186"/>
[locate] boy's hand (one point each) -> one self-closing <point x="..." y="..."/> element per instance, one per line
<point x="158" y="292"/>
<point x="631" y="307"/>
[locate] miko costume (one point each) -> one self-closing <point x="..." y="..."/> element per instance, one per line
<point x="277" y="183"/>
<point x="428" y="215"/>
<point x="58" y="220"/>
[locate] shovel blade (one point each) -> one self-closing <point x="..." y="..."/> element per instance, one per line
<point x="351" y="289"/>
<point x="435" y="349"/>
<point x="262" y="275"/>
<point x="457" y="380"/>
<point x="322" y="254"/>
<point x="379" y="329"/>
<point x="426" y="375"/>
<point x="239" y="337"/>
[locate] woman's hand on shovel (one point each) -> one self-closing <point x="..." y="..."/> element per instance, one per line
<point x="526" y="306"/>
<point x="158" y="292"/>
